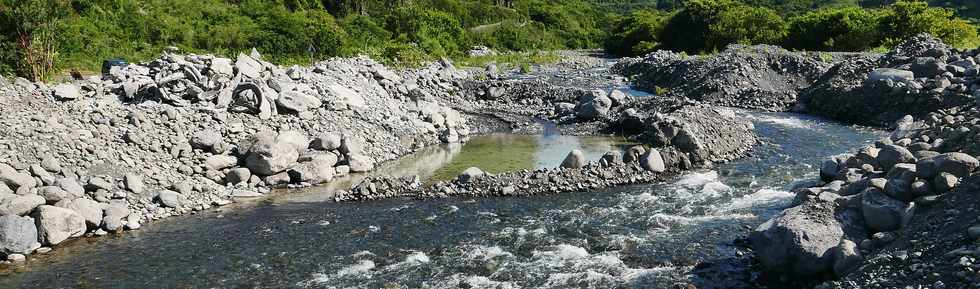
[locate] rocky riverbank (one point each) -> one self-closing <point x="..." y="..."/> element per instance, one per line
<point x="185" y="133"/>
<point x="901" y="213"/>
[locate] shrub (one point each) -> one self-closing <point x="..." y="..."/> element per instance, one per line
<point x="905" y="19"/>
<point x="835" y="29"/>
<point x="637" y="34"/>
<point x="747" y="25"/>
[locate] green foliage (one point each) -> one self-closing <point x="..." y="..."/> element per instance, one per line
<point x="835" y="29"/>
<point x="28" y="32"/>
<point x="748" y="25"/>
<point x="437" y="33"/>
<point x="637" y="34"/>
<point x="908" y="18"/>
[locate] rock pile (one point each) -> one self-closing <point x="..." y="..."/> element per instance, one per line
<point x="757" y="77"/>
<point x="920" y="76"/>
<point x="184" y="133"/>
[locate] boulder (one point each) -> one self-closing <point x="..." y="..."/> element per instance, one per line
<point x="960" y="165"/>
<point x="220" y="162"/>
<point x="315" y="172"/>
<point x="617" y="97"/>
<point x="633" y="154"/>
<point x="18" y="235"/>
<point x="279" y="179"/>
<point x="15" y="179"/>
<point x="66" y="91"/>
<point x="248" y="66"/>
<point x="360" y="163"/>
<point x="653" y="161"/>
<point x="72" y="186"/>
<point x="345" y="98"/>
<point x="927" y="67"/>
<point x="596" y="107"/>
<point x="134" y="183"/>
<point x="945" y="182"/>
<point x="611" y="158"/>
<point x="797" y="241"/>
<point x="890" y="155"/>
<point x="829" y="170"/>
<point x="91" y="210"/>
<point x="574" y="160"/>
<point x="171" y="199"/>
<point x="883" y="213"/>
<point x="294" y="138"/>
<point x="895" y="75"/>
<point x="20" y="204"/>
<point x="469" y="175"/>
<point x="326" y="142"/>
<point x="297" y="101"/>
<point x="54" y="194"/>
<point x="268" y="156"/>
<point x="207" y="140"/>
<point x="238" y="175"/>
<point x="55" y="225"/>
<point x="115" y="215"/>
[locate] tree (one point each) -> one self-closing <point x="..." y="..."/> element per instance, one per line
<point x="31" y="25"/>
<point x="835" y="29"/>
<point x="905" y="19"/>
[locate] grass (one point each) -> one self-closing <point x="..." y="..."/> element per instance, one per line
<point x="510" y="60"/>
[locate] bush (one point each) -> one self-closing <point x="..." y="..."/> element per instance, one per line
<point x="835" y="29"/>
<point x="747" y="25"/>
<point x="637" y="34"/>
<point x="437" y="33"/>
<point x="905" y="19"/>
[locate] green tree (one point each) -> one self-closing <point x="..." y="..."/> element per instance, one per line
<point x="905" y="19"/>
<point x="835" y="29"/>
<point x="748" y="25"/>
<point x="637" y="34"/>
<point x="30" y="26"/>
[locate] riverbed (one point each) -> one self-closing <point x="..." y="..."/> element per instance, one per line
<point x="683" y="231"/>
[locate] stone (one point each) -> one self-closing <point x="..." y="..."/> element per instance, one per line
<point x="279" y="179"/>
<point x="612" y="158"/>
<point x="115" y="214"/>
<point x="134" y="183"/>
<point x="133" y="222"/>
<point x="294" y="138"/>
<point x="54" y="194"/>
<point x="945" y="182"/>
<point x="829" y="170"/>
<point x="17" y="234"/>
<point x="39" y="172"/>
<point x="469" y="175"/>
<point x="890" y="155"/>
<point x="633" y="154"/>
<point x="617" y="97"/>
<point x="15" y="179"/>
<point x="920" y="188"/>
<point x="97" y="183"/>
<point x="171" y="199"/>
<point x="207" y="140"/>
<point x="20" y="204"/>
<point x="345" y="98"/>
<point x="268" y="156"/>
<point x="957" y="164"/>
<point x="66" y="91"/>
<point x="895" y="75"/>
<point x="927" y="67"/>
<point x="55" y="225"/>
<point x="883" y="213"/>
<point x="237" y="176"/>
<point x="574" y="160"/>
<point x="360" y="163"/>
<point x="222" y="66"/>
<point x="973" y="232"/>
<point x="72" y="186"/>
<point x="318" y="171"/>
<point x="596" y="107"/>
<point x="797" y="242"/>
<point x="326" y="142"/>
<point x="847" y="257"/>
<point x="248" y="66"/>
<point x="653" y="161"/>
<point x="220" y="162"/>
<point x="16" y="258"/>
<point x="297" y="101"/>
<point x="91" y="210"/>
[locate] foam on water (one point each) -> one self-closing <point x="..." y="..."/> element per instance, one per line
<point x="766" y="197"/>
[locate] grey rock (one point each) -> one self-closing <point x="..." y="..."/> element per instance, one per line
<point x="360" y="163"/>
<point x="39" y="172"/>
<point x="268" y="156"/>
<point x="54" y="194"/>
<point x="574" y="160"/>
<point x="171" y="199"/>
<point x="97" y="183"/>
<point x="248" y="66"/>
<point x="238" y="175"/>
<point x="279" y="179"/>
<point x="797" y="242"/>
<point x="617" y="97"/>
<point x="890" y="155"/>
<point x="633" y="154"/>
<point x="294" y="138"/>
<point x="927" y="67"/>
<point x="72" y="186"/>
<point x="207" y="140"/>
<point x="91" y="210"/>
<point x="469" y="175"/>
<point x="15" y="179"/>
<point x="883" y="213"/>
<point x="20" y="204"/>
<point x="829" y="170"/>
<point x="895" y="75"/>
<point x="297" y="101"/>
<point x="134" y="183"/>
<point x="326" y="142"/>
<point x="17" y="235"/>
<point x="317" y="171"/>
<point x="957" y="164"/>
<point x="66" y="91"/>
<point x="945" y="182"/>
<point x="220" y="162"/>
<point x="115" y="215"/>
<point x="55" y="225"/>
<point x="653" y="161"/>
<point x="920" y="188"/>
<point x="611" y="158"/>
<point x="596" y="107"/>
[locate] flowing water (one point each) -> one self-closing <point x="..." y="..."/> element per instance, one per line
<point x="643" y="236"/>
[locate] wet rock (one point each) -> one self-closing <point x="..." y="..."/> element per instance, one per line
<point x="847" y="257"/>
<point x="91" y="210"/>
<point x="55" y="225"/>
<point x="957" y="164"/>
<point x="633" y="154"/>
<point x="890" y="155"/>
<point x="17" y="235"/>
<point x="883" y="213"/>
<point x="116" y="213"/>
<point x="829" y="170"/>
<point x="574" y="160"/>
<point x="315" y="172"/>
<point x="797" y="241"/>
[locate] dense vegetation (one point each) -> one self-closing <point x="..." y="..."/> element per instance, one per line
<point x="710" y="25"/>
<point x="39" y="37"/>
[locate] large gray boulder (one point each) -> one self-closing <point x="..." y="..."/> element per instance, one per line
<point x="360" y="163"/>
<point x="269" y="156"/>
<point x="15" y="179"/>
<point x="18" y="235"/>
<point x="574" y="160"/>
<point x="595" y="107"/>
<point x="326" y="142"/>
<point x="653" y="161"/>
<point x="297" y="101"/>
<point x="960" y="165"/>
<point x="208" y="140"/>
<point x="116" y="213"/>
<point x="890" y="155"/>
<point x="220" y="162"/>
<point x="55" y="225"/>
<point x="20" y="204"/>
<point x="317" y="171"/>
<point x="798" y="241"/>
<point x="171" y="199"/>
<point x="134" y="183"/>
<point x="66" y="91"/>
<point x="470" y="175"/>
<point x="90" y="209"/>
<point x="883" y="213"/>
